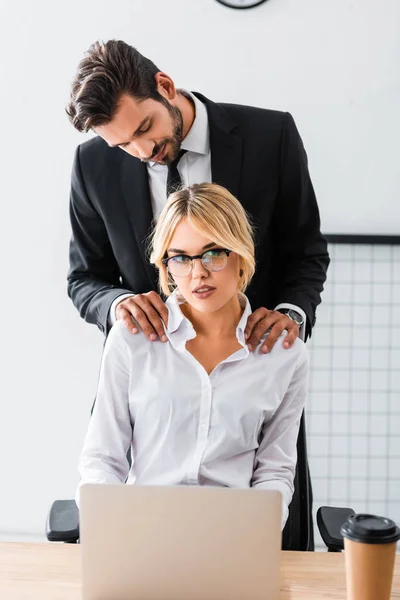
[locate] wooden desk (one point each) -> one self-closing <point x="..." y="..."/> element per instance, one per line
<point x="52" y="572"/>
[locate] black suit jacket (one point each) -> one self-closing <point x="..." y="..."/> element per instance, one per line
<point x="258" y="155"/>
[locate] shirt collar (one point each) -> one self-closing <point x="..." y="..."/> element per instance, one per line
<point x="198" y="138"/>
<point x="180" y="330"/>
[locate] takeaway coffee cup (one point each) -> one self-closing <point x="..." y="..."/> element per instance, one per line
<point x="370" y="549"/>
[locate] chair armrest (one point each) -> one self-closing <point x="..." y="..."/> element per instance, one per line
<point x="329" y="520"/>
<point x="63" y="522"/>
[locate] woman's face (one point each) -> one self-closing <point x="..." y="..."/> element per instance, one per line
<point x="220" y="286"/>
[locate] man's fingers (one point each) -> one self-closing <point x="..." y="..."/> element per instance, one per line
<point x="260" y="329"/>
<point x="159" y="306"/>
<point x="148" y="318"/>
<point x="293" y="333"/>
<point x="125" y="316"/>
<point x="253" y="319"/>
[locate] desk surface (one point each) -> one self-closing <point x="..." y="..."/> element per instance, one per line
<point x="52" y="572"/>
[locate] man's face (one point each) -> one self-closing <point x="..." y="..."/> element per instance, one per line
<point x="148" y="130"/>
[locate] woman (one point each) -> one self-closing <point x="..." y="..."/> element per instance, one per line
<point x="201" y="410"/>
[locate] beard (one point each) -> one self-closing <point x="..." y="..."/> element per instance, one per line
<point x="175" y="140"/>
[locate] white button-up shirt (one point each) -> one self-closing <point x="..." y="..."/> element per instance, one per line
<point x="236" y="427"/>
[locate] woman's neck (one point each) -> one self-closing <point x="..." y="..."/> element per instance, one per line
<point x="219" y="324"/>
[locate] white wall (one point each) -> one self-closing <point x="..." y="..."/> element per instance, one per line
<point x="331" y="64"/>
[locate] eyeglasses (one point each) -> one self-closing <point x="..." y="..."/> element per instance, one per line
<point x="182" y="264"/>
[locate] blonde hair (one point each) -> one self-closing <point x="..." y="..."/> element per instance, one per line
<point x="216" y="214"/>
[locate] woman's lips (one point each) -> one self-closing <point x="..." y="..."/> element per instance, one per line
<point x="203" y="295"/>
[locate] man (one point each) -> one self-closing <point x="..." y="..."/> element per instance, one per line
<point x="257" y="154"/>
<point x="152" y="137"/>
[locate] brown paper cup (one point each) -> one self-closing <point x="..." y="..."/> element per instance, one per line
<point x="370" y="549"/>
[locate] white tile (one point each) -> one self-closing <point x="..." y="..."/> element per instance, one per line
<point x="395" y="317"/>
<point x="359" y="424"/>
<point x="381" y="292"/>
<point x="343" y="293"/>
<point x="394" y="426"/>
<point x="376" y="508"/>
<point x="362" y="252"/>
<point x="320" y="380"/>
<point x="340" y="489"/>
<point x="320" y="358"/>
<point x="395" y="382"/>
<point x="342" y="336"/>
<point x="319" y="466"/>
<point x="380" y="424"/>
<point x="340" y="424"/>
<point x="362" y="293"/>
<point x="394" y="513"/>
<point x="379" y="359"/>
<point x="339" y="467"/>
<point x="322" y="335"/>
<point x="359" y="448"/>
<point x="360" y="358"/>
<point x="381" y="315"/>
<point x="376" y="491"/>
<point x="344" y="272"/>
<point x="341" y="402"/>
<point x="318" y="445"/>
<point x="340" y="357"/>
<point x="320" y="488"/>
<point x="358" y="468"/>
<point x="360" y="381"/>
<point x="394" y="490"/>
<point x="362" y="316"/>
<point x="379" y="381"/>
<point x="381" y="337"/>
<point x="381" y="253"/>
<point x="394" y="447"/>
<point x="394" y="358"/>
<point x="340" y="381"/>
<point x="318" y="401"/>
<point x="378" y="446"/>
<point x="362" y="272"/>
<point x="321" y="424"/>
<point x="378" y="468"/>
<point x="343" y="251"/>
<point x="396" y="293"/>
<point x="343" y="315"/>
<point x="394" y="336"/>
<point x="358" y="402"/>
<point x="379" y="402"/>
<point x="394" y="468"/>
<point x="383" y="271"/>
<point x="358" y="490"/>
<point x="394" y="401"/>
<point x="363" y="337"/>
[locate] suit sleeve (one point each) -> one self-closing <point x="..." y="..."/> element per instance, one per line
<point x="93" y="276"/>
<point x="301" y="249"/>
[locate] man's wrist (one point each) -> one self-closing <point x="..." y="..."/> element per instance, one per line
<point x="284" y="307"/>
<point x="112" y="317"/>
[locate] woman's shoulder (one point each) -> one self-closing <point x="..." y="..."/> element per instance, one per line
<point x="296" y="353"/>
<point x="120" y="337"/>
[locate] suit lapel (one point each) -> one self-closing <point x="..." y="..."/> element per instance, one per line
<point x="226" y="147"/>
<point x="136" y="192"/>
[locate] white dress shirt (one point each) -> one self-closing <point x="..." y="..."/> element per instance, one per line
<point x="194" y="167"/>
<point x="236" y="427"/>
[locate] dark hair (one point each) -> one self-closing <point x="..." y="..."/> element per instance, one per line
<point x="109" y="70"/>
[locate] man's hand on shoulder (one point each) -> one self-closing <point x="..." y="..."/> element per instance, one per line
<point x="146" y="312"/>
<point x="262" y="320"/>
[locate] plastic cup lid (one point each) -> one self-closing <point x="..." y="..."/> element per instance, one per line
<point x="370" y="529"/>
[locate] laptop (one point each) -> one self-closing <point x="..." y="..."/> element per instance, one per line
<point x="179" y="543"/>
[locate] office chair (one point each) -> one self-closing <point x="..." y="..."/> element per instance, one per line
<point x="63" y="520"/>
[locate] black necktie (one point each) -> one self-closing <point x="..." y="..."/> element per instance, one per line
<point x="173" y="179"/>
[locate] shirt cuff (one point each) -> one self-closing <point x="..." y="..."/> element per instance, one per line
<point x="112" y="317"/>
<point x="301" y="312"/>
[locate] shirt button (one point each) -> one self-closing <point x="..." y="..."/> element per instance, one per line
<point x="203" y="426"/>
